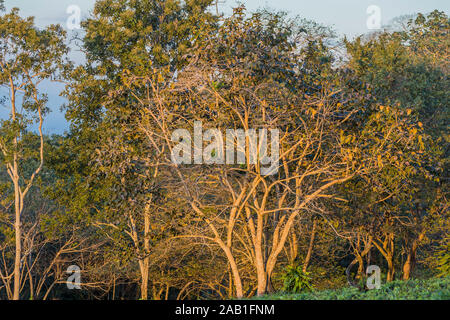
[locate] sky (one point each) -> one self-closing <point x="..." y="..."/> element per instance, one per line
<point x="347" y="17"/>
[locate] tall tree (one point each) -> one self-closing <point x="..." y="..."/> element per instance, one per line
<point x="408" y="69"/>
<point x="126" y="36"/>
<point x="28" y="57"/>
<point x="251" y="74"/>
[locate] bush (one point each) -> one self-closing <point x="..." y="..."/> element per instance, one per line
<point x="431" y="289"/>
<point x="295" y="280"/>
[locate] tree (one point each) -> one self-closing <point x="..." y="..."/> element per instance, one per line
<point x="28" y="57"/>
<point x="124" y="36"/>
<point x="408" y="69"/>
<point x="248" y="75"/>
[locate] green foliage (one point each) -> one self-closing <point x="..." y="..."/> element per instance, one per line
<point x="375" y="123"/>
<point x="28" y="56"/>
<point x="295" y="280"/>
<point x="432" y="289"/>
<point x="409" y="68"/>
<point x="444" y="258"/>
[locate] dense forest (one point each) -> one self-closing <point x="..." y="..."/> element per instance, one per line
<point x="361" y="175"/>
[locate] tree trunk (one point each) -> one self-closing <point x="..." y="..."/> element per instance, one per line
<point x="17" y="223"/>
<point x="293" y="248"/>
<point x="259" y="258"/>
<point x="391" y="269"/>
<point x="18" y="236"/>
<point x="410" y="263"/>
<point x="146" y="260"/>
<point x="144" y="279"/>
<point x="17" y="202"/>
<point x="262" y="281"/>
<point x="234" y="270"/>
<point x="358" y="259"/>
<point x="408" y="266"/>
<point x="270" y="288"/>
<point x="387" y="249"/>
<point x="311" y="245"/>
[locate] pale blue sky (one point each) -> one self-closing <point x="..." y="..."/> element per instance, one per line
<point x="346" y="16"/>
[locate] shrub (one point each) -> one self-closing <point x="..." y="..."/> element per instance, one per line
<point x="295" y="280"/>
<point x="431" y="289"/>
